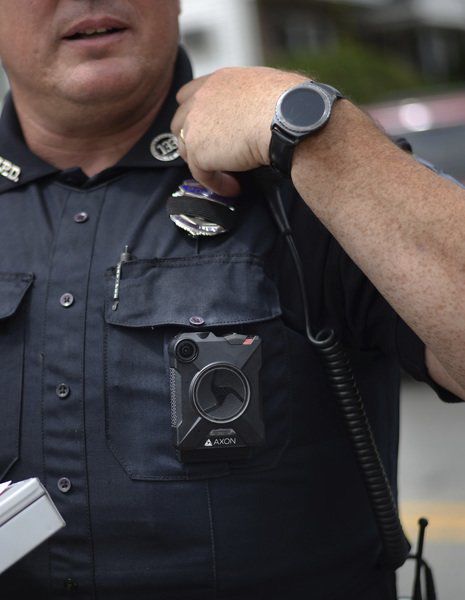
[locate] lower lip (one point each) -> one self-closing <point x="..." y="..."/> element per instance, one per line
<point x="99" y="41"/>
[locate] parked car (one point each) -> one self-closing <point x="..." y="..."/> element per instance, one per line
<point x="434" y="126"/>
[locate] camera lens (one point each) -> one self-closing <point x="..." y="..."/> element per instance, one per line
<point x="221" y="392"/>
<point x="186" y="351"/>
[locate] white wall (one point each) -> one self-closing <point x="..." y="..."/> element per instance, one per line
<point x="447" y="13"/>
<point x="221" y="33"/>
<point x="3" y="84"/>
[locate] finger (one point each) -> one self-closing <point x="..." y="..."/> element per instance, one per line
<point x="223" y="184"/>
<point x="182" y="150"/>
<point x="179" y="119"/>
<point x="188" y="90"/>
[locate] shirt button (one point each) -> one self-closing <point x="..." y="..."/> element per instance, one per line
<point x="67" y="300"/>
<point x="62" y="391"/>
<point x="81" y="217"/>
<point x="70" y="584"/>
<point x="64" y="485"/>
<point x="196" y="321"/>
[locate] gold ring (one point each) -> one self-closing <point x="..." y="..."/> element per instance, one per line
<point x="181" y="136"/>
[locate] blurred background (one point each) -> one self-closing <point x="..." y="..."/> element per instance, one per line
<point x="404" y="62"/>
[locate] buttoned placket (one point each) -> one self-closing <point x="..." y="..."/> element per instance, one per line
<point x="64" y="412"/>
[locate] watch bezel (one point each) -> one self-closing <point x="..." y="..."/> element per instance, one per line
<point x="281" y="121"/>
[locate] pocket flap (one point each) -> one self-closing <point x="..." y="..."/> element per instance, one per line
<point x="221" y="290"/>
<point x="13" y="286"/>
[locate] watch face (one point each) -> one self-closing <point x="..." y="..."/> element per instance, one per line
<point x="304" y="108"/>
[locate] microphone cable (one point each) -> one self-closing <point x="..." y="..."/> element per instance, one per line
<point x="344" y="386"/>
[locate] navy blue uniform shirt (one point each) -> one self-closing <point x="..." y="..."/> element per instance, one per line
<point x="84" y="389"/>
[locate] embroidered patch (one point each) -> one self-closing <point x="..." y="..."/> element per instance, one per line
<point x="9" y="170"/>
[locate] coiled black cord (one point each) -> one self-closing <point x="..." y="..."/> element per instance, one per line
<point x="348" y="398"/>
<point x="346" y="392"/>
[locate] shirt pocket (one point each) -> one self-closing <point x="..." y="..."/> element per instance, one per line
<point x="13" y="288"/>
<point x="157" y="300"/>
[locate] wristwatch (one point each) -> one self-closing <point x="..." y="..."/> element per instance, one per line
<point x="300" y="111"/>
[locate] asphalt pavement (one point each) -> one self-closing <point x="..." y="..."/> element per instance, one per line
<point x="432" y="485"/>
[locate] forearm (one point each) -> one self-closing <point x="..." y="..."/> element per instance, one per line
<point x="401" y="223"/>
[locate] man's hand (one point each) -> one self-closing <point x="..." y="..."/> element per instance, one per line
<point x="225" y="119"/>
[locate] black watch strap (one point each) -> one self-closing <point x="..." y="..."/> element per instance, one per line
<point x="282" y="152"/>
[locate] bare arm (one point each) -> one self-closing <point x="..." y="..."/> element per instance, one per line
<point x="401" y="223"/>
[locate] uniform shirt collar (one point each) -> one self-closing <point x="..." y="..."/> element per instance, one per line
<point x="19" y="165"/>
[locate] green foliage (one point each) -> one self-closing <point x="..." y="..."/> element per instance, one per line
<point x="361" y="72"/>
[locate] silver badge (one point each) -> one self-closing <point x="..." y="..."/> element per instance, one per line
<point x="198" y="226"/>
<point x="9" y="170"/>
<point x="165" y="147"/>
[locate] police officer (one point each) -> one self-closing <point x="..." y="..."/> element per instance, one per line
<point x="95" y="281"/>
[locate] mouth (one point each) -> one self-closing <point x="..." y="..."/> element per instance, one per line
<point x="93" y="33"/>
<point x="95" y="29"/>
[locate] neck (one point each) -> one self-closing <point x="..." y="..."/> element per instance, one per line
<point x="93" y="139"/>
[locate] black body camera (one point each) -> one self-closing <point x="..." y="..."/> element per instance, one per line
<point x="216" y="411"/>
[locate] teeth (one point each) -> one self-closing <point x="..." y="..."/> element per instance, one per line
<point x="94" y="31"/>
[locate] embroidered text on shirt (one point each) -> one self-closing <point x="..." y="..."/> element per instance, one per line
<point x="9" y="170"/>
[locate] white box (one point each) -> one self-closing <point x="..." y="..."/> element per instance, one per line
<point x="28" y="517"/>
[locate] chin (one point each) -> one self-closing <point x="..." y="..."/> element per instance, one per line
<point x="98" y="83"/>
